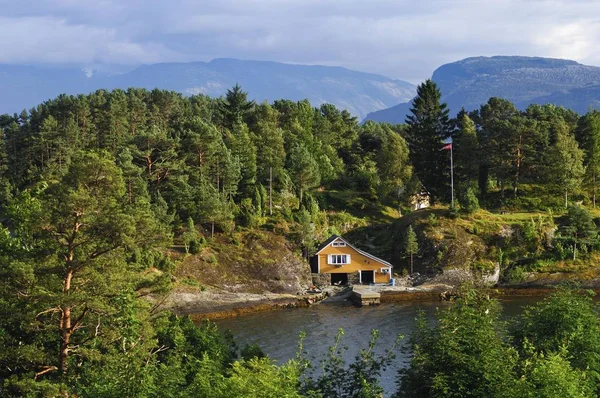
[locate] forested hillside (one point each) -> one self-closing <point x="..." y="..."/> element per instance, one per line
<point x="103" y="194"/>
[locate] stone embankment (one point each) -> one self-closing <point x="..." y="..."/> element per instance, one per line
<point x="218" y="304"/>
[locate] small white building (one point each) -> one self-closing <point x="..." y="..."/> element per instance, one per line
<point x="420" y="200"/>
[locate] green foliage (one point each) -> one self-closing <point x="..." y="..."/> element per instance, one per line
<point x="568" y="321"/>
<point x="516" y="274"/>
<point x="588" y="135"/>
<point x="428" y="127"/>
<point x="304" y="169"/>
<point x="468" y="200"/>
<point x="433" y="220"/>
<point x="235" y="107"/>
<point x="410" y="246"/>
<point x="93" y="187"/>
<point x="566" y="162"/>
<point x="578" y="230"/>
<point x="464" y="354"/>
<point x="251" y="351"/>
<point x="551" y="376"/>
<point x="359" y="379"/>
<point x="466" y="151"/>
<point x="552" y="350"/>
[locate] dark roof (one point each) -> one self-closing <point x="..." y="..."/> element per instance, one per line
<point x="334" y="237"/>
<point x="326" y="243"/>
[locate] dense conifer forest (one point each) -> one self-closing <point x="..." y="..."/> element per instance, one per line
<point x="96" y="189"/>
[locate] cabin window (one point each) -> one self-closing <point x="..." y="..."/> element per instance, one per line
<point x="338" y="244"/>
<point x="339" y="259"/>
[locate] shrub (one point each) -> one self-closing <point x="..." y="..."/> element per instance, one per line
<point x="195" y="246"/>
<point x="516" y="275"/>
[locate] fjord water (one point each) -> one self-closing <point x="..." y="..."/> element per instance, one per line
<point x="277" y="332"/>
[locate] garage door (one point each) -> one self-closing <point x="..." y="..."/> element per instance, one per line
<point x="367" y="277"/>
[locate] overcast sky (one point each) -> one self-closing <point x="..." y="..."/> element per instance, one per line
<point x="396" y="38"/>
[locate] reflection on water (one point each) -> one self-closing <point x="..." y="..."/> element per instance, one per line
<point x="277" y="332"/>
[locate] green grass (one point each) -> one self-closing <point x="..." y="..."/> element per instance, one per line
<point x="356" y="203"/>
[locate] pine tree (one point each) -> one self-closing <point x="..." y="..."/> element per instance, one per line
<point x="494" y="118"/>
<point x="466" y="151"/>
<point x="588" y="133"/>
<point x="566" y="162"/>
<point x="303" y="169"/>
<point x="243" y="148"/>
<point x="411" y="245"/>
<point x="428" y="127"/>
<point x="235" y="107"/>
<point x="81" y="233"/>
<point x="190" y="237"/>
<point x="270" y="150"/>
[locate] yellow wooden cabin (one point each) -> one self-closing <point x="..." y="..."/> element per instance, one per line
<point x="346" y="263"/>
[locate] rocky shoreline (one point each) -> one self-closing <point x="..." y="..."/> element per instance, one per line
<point x="219" y="304"/>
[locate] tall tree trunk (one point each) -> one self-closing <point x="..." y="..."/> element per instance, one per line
<point x="574" y="251"/>
<point x="270" y="191"/>
<point x="594" y="191"/>
<point x="65" y="325"/>
<point x="518" y="164"/>
<point x="300" y="204"/>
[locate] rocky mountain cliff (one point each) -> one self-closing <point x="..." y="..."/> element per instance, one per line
<point x="522" y="80"/>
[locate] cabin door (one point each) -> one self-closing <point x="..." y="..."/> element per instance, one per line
<point x="339" y="279"/>
<point x="367" y="277"/>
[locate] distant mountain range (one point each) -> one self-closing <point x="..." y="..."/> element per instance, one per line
<point x="22" y="87"/>
<point x="523" y="80"/>
<point x="467" y="83"/>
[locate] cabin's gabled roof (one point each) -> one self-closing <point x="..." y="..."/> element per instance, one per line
<point x="327" y="242"/>
<point x="334" y="237"/>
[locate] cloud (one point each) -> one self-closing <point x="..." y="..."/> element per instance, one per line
<point x="50" y="40"/>
<point x="398" y="38"/>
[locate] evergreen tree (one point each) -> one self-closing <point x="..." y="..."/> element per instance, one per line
<point x="579" y="229"/>
<point x="494" y="118"/>
<point x="243" y="149"/>
<point x="466" y="152"/>
<point x="268" y="139"/>
<point x="303" y="169"/>
<point x="235" y="107"/>
<point x="428" y="127"/>
<point x="77" y="234"/>
<point x="157" y="153"/>
<point x="411" y="245"/>
<point x="588" y="133"/>
<point x="191" y="237"/>
<point x="566" y="169"/>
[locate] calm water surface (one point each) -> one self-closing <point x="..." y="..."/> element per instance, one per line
<point x="277" y="332"/>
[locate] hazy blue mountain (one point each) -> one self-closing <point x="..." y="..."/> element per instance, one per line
<point x="25" y="86"/>
<point x="522" y="80"/>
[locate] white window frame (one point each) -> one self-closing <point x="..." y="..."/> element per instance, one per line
<point x="338" y="244"/>
<point x="338" y="259"/>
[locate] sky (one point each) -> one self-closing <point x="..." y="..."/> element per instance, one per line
<point x="401" y="39"/>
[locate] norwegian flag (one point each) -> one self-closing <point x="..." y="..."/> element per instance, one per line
<point x="446" y="147"/>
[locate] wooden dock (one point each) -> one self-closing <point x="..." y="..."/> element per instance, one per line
<point x="363" y="295"/>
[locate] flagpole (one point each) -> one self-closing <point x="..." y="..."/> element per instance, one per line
<point x="452" y="176"/>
